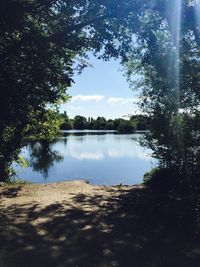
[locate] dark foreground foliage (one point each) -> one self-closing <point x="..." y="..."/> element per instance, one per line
<point x="171" y="180"/>
<point x="132" y="228"/>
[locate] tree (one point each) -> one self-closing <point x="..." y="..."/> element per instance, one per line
<point x="80" y="123"/>
<point x="110" y="125"/>
<point x="126" y="126"/>
<point x="67" y="123"/>
<point x="141" y="122"/>
<point x="166" y="57"/>
<point x="40" y="40"/>
<point x="100" y="123"/>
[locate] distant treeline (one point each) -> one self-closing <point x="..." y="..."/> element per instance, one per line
<point x="135" y="123"/>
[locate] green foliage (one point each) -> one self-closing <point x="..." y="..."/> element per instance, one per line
<point x="45" y="126"/>
<point x="22" y="162"/>
<point x="126" y="126"/>
<point x="165" y="180"/>
<point x="80" y="123"/>
<point x="110" y="125"/>
<point x="40" y="40"/>
<point x="137" y="122"/>
<point x="141" y="122"/>
<point x="170" y="87"/>
<point x="67" y="124"/>
<point x="148" y="176"/>
<point x="100" y="123"/>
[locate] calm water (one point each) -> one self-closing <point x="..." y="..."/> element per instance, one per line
<point x="98" y="157"/>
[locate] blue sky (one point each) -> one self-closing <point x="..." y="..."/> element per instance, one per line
<point x="101" y="90"/>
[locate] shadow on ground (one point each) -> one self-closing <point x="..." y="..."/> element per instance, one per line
<point x="10" y="192"/>
<point x="131" y="228"/>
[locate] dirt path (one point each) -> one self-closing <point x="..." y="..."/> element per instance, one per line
<point x="80" y="225"/>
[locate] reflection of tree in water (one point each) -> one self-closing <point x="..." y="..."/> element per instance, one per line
<point x="65" y="141"/>
<point x="81" y="136"/>
<point x="43" y="157"/>
<point x="62" y="141"/>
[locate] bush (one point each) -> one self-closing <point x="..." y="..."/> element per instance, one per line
<point x="164" y="179"/>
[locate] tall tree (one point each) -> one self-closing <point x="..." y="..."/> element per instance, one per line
<point x="166" y="58"/>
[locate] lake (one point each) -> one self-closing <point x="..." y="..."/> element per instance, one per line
<point x="100" y="157"/>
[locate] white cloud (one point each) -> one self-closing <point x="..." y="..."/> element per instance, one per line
<point x="121" y="100"/>
<point x="83" y="98"/>
<point x="138" y="153"/>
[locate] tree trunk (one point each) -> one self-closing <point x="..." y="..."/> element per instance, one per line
<point x="4" y="172"/>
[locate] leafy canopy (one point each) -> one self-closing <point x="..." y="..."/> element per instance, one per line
<point x="40" y="42"/>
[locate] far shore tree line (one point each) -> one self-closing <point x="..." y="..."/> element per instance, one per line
<point x="134" y="123"/>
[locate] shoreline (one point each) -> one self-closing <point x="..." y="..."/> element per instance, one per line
<point x="18" y="193"/>
<point x="16" y="182"/>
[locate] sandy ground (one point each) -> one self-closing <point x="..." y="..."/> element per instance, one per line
<point x="47" y="194"/>
<point x="76" y="224"/>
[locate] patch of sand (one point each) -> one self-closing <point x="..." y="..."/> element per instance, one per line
<point x="47" y="194"/>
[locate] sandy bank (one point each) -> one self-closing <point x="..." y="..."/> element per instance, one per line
<point x="46" y="194"/>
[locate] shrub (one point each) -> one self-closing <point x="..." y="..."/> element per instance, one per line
<point x="164" y="179"/>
